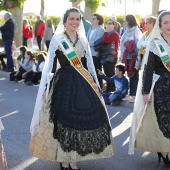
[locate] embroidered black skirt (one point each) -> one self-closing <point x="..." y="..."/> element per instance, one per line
<point x="79" y="117"/>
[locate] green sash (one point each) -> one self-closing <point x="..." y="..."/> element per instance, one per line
<point x="163" y="53"/>
<point x="71" y="55"/>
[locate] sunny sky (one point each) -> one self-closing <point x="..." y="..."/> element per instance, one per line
<point x="57" y="7"/>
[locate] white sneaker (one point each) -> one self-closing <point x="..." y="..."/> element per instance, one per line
<point x="21" y="81"/>
<point x="132" y="99"/>
<point x="127" y="97"/>
<point x="36" y="84"/>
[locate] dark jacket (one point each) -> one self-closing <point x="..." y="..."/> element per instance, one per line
<point x="7" y="30"/>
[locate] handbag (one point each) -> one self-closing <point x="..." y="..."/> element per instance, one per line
<point x="98" y="44"/>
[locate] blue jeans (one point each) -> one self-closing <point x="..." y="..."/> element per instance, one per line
<point x="8" y="51"/>
<point x="113" y="98"/>
<point x="133" y="84"/>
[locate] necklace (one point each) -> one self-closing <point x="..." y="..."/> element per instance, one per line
<point x="74" y="43"/>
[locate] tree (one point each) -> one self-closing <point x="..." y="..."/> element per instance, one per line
<point x="155" y="6"/>
<point x="16" y="9"/>
<point x="76" y="3"/>
<point x="42" y="9"/>
<point x="91" y="6"/>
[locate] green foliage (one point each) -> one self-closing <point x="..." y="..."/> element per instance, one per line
<point x="94" y="4"/>
<point x="4" y="6"/>
<point x="120" y="18"/>
<point x="2" y="21"/>
<point x="55" y="19"/>
<point x="19" y="3"/>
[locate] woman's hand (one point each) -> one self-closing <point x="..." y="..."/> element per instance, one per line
<point x="44" y="96"/>
<point x="100" y="72"/>
<point x="24" y="75"/>
<point x="146" y="98"/>
<point x="19" y="63"/>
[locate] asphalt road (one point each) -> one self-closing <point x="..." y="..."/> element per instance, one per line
<point x="16" y="108"/>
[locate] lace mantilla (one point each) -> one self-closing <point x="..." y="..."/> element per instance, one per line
<point x="84" y="142"/>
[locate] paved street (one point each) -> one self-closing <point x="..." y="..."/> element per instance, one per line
<point x="16" y="108"/>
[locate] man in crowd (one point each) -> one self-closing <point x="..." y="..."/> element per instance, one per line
<point x="7" y="31"/>
<point x="39" y="30"/>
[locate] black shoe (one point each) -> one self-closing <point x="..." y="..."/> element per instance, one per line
<point x="9" y="70"/>
<point x="63" y="168"/>
<point x="165" y="160"/>
<point x="4" y="69"/>
<point x="28" y="83"/>
<point x="115" y="103"/>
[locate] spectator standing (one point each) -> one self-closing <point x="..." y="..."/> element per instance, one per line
<point x="48" y="33"/>
<point x="129" y="52"/>
<point x="7" y="31"/>
<point x="118" y="29"/>
<point x="109" y="53"/>
<point x="30" y="39"/>
<point x="39" y="30"/>
<point x="142" y="43"/>
<point x="94" y="34"/>
<point x="26" y="32"/>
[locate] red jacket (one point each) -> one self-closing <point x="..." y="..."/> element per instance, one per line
<point x="39" y="28"/>
<point x="26" y="32"/>
<point x="112" y="38"/>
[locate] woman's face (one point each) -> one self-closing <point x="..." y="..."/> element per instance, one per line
<point x="126" y="23"/>
<point x="95" y="21"/>
<point x="73" y="21"/>
<point x="27" y="56"/>
<point x="149" y="25"/>
<point x="165" y="24"/>
<point x="110" y="25"/>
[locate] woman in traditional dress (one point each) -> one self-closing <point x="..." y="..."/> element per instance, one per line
<point x="71" y="123"/>
<point x="150" y="130"/>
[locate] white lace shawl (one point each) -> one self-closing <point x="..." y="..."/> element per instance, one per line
<point x="139" y="102"/>
<point x="48" y="68"/>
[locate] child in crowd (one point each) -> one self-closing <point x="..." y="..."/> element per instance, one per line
<point x="37" y="70"/>
<point x="20" y="59"/>
<point x="25" y="68"/>
<point x="121" y="84"/>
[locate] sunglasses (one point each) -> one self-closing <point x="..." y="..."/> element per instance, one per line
<point x="110" y="23"/>
<point x="93" y="18"/>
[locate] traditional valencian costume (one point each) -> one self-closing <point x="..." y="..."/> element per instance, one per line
<point x="154" y="131"/>
<point x="73" y="124"/>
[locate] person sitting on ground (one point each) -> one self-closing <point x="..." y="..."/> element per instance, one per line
<point x="25" y="68"/>
<point x="121" y="84"/>
<point x="37" y="70"/>
<point x="20" y="59"/>
<point x="3" y="64"/>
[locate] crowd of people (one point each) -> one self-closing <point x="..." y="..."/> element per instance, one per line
<point x="77" y="125"/>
